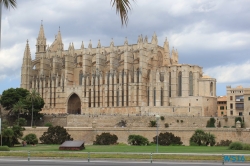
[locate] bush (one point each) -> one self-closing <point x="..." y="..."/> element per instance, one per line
<point x="202" y="139"/>
<point x="31" y="139"/>
<point x="236" y="146"/>
<point x="166" y="125"/>
<point x="153" y="123"/>
<point x="246" y="147"/>
<point x="55" y="135"/>
<point x="137" y="140"/>
<point x="210" y="122"/>
<point x="106" y="139"/>
<point x="48" y="124"/>
<point x="224" y="143"/>
<point x="162" y="117"/>
<point x="4" y="148"/>
<point x="167" y="139"/>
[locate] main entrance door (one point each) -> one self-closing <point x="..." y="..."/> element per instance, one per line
<point x="74" y="104"/>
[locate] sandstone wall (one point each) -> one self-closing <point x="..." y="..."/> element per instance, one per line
<point x="88" y="134"/>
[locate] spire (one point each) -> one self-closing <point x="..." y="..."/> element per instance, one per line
<point x="90" y="44"/>
<point x="41" y="32"/>
<point x="82" y="46"/>
<point x="27" y="54"/>
<point x="154" y="39"/>
<point x="126" y="41"/>
<point x="112" y="43"/>
<point x="99" y="44"/>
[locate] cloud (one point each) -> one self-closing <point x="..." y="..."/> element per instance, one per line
<point x="231" y="73"/>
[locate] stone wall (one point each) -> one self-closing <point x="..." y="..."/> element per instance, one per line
<point x="88" y="134"/>
<point x="135" y="121"/>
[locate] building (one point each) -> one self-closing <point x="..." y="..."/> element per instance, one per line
<point x="140" y="79"/>
<point x="238" y="101"/>
<point x="222" y="106"/>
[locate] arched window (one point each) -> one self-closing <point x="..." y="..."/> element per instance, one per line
<point x="169" y="85"/>
<point x="122" y="87"/>
<point x="108" y="88"/>
<point x="117" y="97"/>
<point x="138" y="75"/>
<point x="148" y="95"/>
<point x="191" y="91"/>
<point x="80" y="77"/>
<point x="154" y="97"/>
<point x="180" y="84"/>
<point x="162" y="96"/>
<point x="211" y="88"/>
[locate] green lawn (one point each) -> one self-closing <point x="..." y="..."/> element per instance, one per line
<point x="139" y="149"/>
<point x="51" y="151"/>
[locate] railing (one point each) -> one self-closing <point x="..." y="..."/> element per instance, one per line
<point x="149" y="157"/>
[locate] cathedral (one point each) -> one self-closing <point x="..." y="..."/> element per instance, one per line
<point x="139" y="79"/>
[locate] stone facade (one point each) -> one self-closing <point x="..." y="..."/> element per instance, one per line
<point x="131" y="79"/>
<point x="238" y="101"/>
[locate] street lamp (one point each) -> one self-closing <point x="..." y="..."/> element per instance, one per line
<point x="157" y="117"/>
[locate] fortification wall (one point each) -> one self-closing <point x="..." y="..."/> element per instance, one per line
<point x="88" y="134"/>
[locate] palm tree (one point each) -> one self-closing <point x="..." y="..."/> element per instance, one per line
<point x="122" y="8"/>
<point x="19" y="107"/>
<point x="7" y="4"/>
<point x="33" y="96"/>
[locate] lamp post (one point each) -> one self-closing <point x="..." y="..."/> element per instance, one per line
<point x="157" y="117"/>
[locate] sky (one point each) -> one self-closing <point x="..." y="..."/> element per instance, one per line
<point x="209" y="33"/>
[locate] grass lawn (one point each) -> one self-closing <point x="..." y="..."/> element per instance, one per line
<point x="52" y="151"/>
<point x="139" y="149"/>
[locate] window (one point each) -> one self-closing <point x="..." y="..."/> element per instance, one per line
<point x="169" y="89"/>
<point x="222" y="112"/>
<point x="231" y="106"/>
<point x="231" y="112"/>
<point x="240" y="114"/>
<point x="221" y="107"/>
<point x="231" y="98"/>
<point x="239" y="98"/>
<point x="161" y="96"/>
<point x="239" y="106"/>
<point x="154" y="97"/>
<point x="179" y="84"/>
<point x="211" y="89"/>
<point x="248" y="98"/>
<point x="190" y="83"/>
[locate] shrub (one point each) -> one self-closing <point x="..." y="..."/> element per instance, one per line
<point x="137" y="140"/>
<point x="162" y="117"/>
<point x="106" y="139"/>
<point x="4" y="148"/>
<point x="55" y="135"/>
<point x="167" y="139"/>
<point x="224" y="143"/>
<point x="246" y="146"/>
<point x="225" y="127"/>
<point x="236" y="146"/>
<point x="210" y="122"/>
<point x="166" y="125"/>
<point x="152" y="123"/>
<point x="232" y="126"/>
<point x="202" y="139"/>
<point x="31" y="139"/>
<point x="48" y="124"/>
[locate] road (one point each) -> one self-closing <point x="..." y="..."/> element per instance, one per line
<point x="63" y="162"/>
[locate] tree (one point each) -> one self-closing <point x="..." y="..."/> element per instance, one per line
<point x="18" y="108"/>
<point x="201" y="138"/>
<point x="137" y="140"/>
<point x="106" y="139"/>
<point x="122" y="8"/>
<point x="168" y="139"/>
<point x="31" y="139"/>
<point x="55" y="135"/>
<point x="33" y="96"/>
<point x="7" y="4"/>
<point x="11" y="96"/>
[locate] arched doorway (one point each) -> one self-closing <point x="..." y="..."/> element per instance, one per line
<point x="74" y="104"/>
